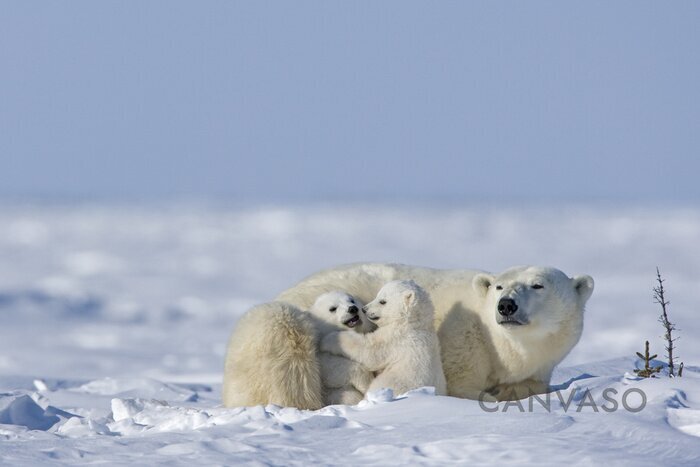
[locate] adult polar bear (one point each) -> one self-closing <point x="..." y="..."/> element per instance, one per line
<point x="498" y="333"/>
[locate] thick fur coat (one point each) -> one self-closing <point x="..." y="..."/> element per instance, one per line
<point x="481" y="350"/>
<point x="272" y="355"/>
<point x="404" y="350"/>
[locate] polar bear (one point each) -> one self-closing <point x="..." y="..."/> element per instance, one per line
<point x="271" y="359"/>
<point x="404" y="350"/>
<point x="344" y="381"/>
<point x="501" y="333"/>
<point x="272" y="356"/>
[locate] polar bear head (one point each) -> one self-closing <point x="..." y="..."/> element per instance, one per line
<point x="339" y="310"/>
<point x="401" y="303"/>
<point x="535" y="301"/>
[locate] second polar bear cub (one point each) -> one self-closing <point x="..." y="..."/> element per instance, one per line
<point x="344" y="381"/>
<point x="404" y="350"/>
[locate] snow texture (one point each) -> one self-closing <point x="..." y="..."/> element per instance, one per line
<point x="115" y="320"/>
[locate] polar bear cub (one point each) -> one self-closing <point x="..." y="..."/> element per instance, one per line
<point x="344" y="381"/>
<point x="273" y="358"/>
<point x="404" y="350"/>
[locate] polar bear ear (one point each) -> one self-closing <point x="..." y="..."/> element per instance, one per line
<point x="409" y="297"/>
<point x="584" y="287"/>
<point x="482" y="282"/>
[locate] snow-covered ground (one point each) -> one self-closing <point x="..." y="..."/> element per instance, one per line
<point x="114" y="320"/>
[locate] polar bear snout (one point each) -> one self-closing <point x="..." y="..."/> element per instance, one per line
<point x="507" y="306"/>
<point x="370" y="314"/>
<point x="353" y="310"/>
<point x="507" y="313"/>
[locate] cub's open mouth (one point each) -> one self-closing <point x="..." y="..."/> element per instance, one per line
<point x="352" y="322"/>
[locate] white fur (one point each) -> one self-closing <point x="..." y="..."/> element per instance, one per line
<point x="404" y="350"/>
<point x="271" y="359"/>
<point x="344" y="381"/>
<point x="272" y="356"/>
<point x="479" y="354"/>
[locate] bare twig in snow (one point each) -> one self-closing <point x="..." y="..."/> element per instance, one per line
<point x="660" y="298"/>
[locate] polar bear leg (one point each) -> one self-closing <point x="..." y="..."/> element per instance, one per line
<point x="341" y="372"/>
<point x="345" y="396"/>
<point x="520" y="390"/>
<point x="366" y="349"/>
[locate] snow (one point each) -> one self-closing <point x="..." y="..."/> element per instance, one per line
<point x="115" y="320"/>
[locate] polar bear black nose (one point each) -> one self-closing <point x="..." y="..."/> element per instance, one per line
<point x="364" y="309"/>
<point x="352" y="310"/>
<point x="507" y="306"/>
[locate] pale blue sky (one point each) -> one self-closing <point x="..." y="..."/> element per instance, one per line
<point x="306" y="100"/>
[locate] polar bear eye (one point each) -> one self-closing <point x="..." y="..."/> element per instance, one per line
<point x="352" y="301"/>
<point x="332" y="309"/>
<point x="499" y="287"/>
<point x="538" y="286"/>
<point x="382" y="302"/>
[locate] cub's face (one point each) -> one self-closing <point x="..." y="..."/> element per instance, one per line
<point x="340" y="310"/>
<point x="534" y="299"/>
<point x="395" y="302"/>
